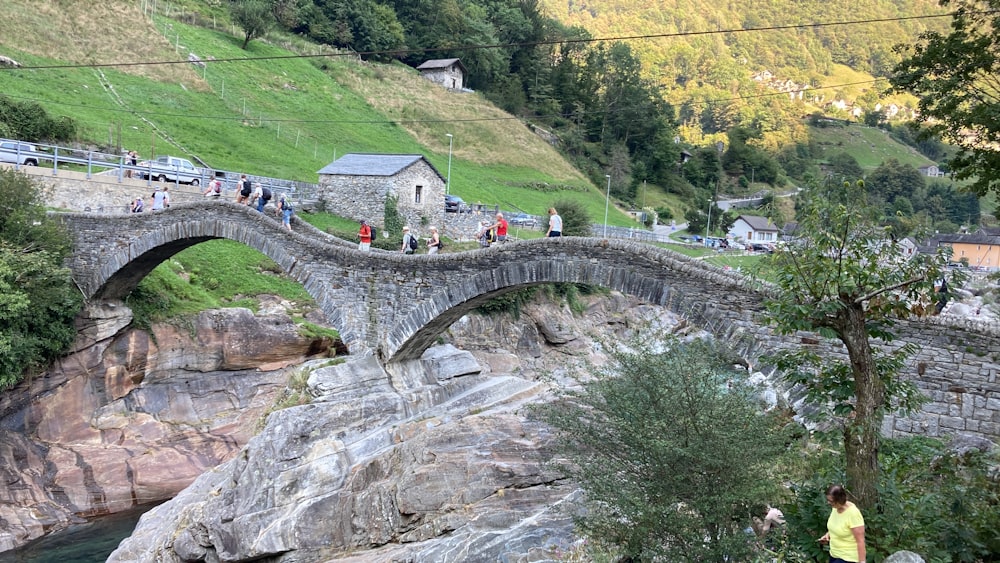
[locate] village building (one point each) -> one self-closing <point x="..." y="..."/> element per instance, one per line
<point x="754" y="229"/>
<point x="449" y="73"/>
<point x="978" y="250"/>
<point x="357" y="186"/>
<point x="931" y="171"/>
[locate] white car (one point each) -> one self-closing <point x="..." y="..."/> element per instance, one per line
<point x="170" y="169"/>
<point x="19" y="153"/>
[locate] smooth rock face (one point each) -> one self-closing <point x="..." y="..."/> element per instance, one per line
<point x="129" y="419"/>
<point x="355" y="470"/>
<point x="436" y="461"/>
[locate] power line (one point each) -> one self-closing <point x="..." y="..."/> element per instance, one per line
<point x="413" y="121"/>
<point x="401" y="52"/>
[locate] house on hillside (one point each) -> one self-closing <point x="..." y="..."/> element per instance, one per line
<point x="357" y="185"/>
<point x="980" y="251"/>
<point x="449" y="73"/>
<point x="754" y="229"/>
<point x="931" y="171"/>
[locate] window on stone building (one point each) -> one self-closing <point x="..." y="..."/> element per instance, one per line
<point x="417" y="192"/>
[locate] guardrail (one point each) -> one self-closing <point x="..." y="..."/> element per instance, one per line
<point x="96" y="163"/>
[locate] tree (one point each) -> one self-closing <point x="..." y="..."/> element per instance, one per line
<point x="847" y="279"/>
<point x="671" y="451"/>
<point x="38" y="301"/>
<point x="955" y="78"/>
<point x="255" y="18"/>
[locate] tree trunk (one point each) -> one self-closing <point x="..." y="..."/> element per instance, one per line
<point x="862" y="430"/>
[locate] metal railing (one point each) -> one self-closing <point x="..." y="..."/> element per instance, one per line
<point x="96" y="163"/>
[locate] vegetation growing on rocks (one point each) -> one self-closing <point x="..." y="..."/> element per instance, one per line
<point x="38" y="300"/>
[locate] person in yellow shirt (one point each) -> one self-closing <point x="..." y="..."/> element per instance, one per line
<point x="845" y="528"/>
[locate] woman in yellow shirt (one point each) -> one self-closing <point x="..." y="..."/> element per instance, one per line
<point x="845" y="528"/>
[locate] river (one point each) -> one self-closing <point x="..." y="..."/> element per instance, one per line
<point x="92" y="542"/>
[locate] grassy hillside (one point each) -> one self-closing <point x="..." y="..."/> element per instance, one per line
<point x="284" y="117"/>
<point x="868" y="145"/>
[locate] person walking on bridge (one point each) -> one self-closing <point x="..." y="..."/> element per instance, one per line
<point x="409" y="242"/>
<point x="161" y="198"/>
<point x="434" y="243"/>
<point x="284" y="210"/>
<point x="555" y="224"/>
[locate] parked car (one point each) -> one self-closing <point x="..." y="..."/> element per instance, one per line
<point x="170" y="169"/>
<point x="523" y="220"/>
<point x="453" y="204"/>
<point x="19" y="153"/>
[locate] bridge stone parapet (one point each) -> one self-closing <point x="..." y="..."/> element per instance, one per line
<point x="395" y="306"/>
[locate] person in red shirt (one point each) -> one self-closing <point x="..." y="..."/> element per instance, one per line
<point x="365" y="234"/>
<point x="501" y="228"/>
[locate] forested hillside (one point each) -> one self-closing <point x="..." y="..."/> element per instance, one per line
<point x="622" y="90"/>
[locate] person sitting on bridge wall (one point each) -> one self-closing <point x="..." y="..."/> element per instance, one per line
<point x="137" y="205"/>
<point x="214" y="188"/>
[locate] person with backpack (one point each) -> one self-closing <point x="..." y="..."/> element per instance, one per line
<point x="265" y="196"/>
<point x="285" y="211"/>
<point x="243" y="195"/>
<point x="410" y="242"/>
<point x="365" y="237"/>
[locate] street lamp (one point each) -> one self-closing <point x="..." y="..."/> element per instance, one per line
<point x="607" y="202"/>
<point x="447" y="182"/>
<point x="709" y="223"/>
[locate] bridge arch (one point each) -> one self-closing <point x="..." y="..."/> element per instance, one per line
<point x="114" y="252"/>
<point x="710" y="297"/>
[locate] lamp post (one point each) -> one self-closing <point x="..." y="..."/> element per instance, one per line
<point x="447" y="181"/>
<point x="709" y="223"/>
<point x="607" y="202"/>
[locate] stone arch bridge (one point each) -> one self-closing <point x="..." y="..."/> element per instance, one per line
<point x="391" y="304"/>
<point x="395" y="305"/>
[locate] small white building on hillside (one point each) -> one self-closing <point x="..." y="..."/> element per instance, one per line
<point x="449" y="73"/>
<point x="752" y="228"/>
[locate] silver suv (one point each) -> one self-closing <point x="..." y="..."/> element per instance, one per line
<point x="19" y="153"/>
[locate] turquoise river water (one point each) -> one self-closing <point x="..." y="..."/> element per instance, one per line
<point x="87" y="543"/>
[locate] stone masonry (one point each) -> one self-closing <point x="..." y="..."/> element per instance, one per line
<point x="394" y="306"/>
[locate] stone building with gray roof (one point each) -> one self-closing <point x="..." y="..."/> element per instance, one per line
<point x="357" y="185"/>
<point x="449" y="73"/>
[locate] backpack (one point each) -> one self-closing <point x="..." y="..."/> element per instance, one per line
<point x="246" y="190"/>
<point x="413" y="243"/>
<point x="266" y="194"/>
<point x="371" y="228"/>
<point x="286" y="205"/>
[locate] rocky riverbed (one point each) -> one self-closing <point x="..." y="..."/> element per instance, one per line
<point x="435" y="462"/>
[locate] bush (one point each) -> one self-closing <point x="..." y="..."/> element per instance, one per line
<point x="38" y="299"/>
<point x="671" y="451"/>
